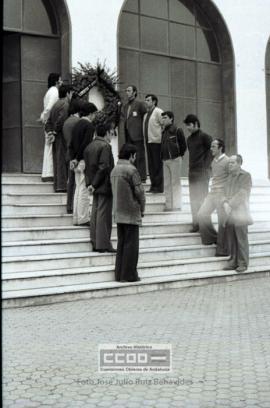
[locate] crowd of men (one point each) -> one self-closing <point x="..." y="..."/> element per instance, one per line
<point x="78" y="158"/>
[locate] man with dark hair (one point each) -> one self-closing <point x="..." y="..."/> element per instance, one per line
<point x="152" y="127"/>
<point x="54" y="128"/>
<point x="133" y="113"/>
<point x="73" y="117"/>
<point x="99" y="163"/>
<point x="236" y="206"/>
<point x="82" y="135"/>
<point x="200" y="158"/>
<point x="173" y="147"/>
<point x="50" y="98"/>
<point x="213" y="201"/>
<point x="128" y="210"/>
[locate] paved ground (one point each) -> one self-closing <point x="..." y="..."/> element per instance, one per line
<point x="220" y="337"/>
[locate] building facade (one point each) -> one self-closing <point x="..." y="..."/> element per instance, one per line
<point x="209" y="57"/>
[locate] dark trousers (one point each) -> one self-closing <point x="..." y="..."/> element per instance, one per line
<point x="198" y="190"/>
<point x="208" y="233"/>
<point x="59" y="164"/>
<point x="140" y="158"/>
<point x="101" y="221"/>
<point x="127" y="252"/>
<point x="155" y="166"/>
<point x="70" y="189"/>
<point x="238" y="245"/>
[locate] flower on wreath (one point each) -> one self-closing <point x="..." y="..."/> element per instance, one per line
<point x="87" y="76"/>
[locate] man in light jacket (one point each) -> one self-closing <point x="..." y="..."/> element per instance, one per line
<point x="220" y="173"/>
<point x="152" y="128"/>
<point x="236" y="205"/>
<point x="128" y="210"/>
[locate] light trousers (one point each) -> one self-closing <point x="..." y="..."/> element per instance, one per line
<point x="81" y="204"/>
<point x="172" y="183"/>
<point x="47" y="166"/>
<point x="208" y="233"/>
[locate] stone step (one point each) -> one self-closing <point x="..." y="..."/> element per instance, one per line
<point x="27" y="188"/>
<point x="71" y="244"/>
<point x="38" y="262"/>
<point x="65" y="232"/>
<point x="29" y="291"/>
<point x="34" y="198"/>
<point x="54" y="209"/>
<point x="99" y="274"/>
<point x="44" y="233"/>
<point x="35" y="176"/>
<point x="49" y="220"/>
<point x="38" y="187"/>
<point x="20" y="177"/>
<point x="26" y="221"/>
<point x="61" y="198"/>
<point x="24" y="183"/>
<point x="259" y="215"/>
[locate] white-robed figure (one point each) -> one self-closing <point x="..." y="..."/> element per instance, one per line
<point x="51" y="96"/>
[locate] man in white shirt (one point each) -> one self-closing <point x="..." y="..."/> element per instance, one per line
<point x="50" y="98"/>
<point x="220" y="173"/>
<point x="152" y="129"/>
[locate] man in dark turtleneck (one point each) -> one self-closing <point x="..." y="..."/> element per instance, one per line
<point x="133" y="113"/>
<point x="200" y="158"/>
<point x="173" y="147"/>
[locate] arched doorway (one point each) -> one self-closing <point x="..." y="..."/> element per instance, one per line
<point x="267" y="78"/>
<point x="181" y="51"/>
<point x="36" y="42"/>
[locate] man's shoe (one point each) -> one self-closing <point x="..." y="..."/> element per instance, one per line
<point x="194" y="229"/>
<point x="136" y="280"/>
<point x="229" y="268"/>
<point x="218" y="254"/>
<point x="150" y="190"/>
<point x="241" y="269"/>
<point x="86" y="224"/>
<point x="102" y="251"/>
<point x="112" y="250"/>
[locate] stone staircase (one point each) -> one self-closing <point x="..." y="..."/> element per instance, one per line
<point x="45" y="259"/>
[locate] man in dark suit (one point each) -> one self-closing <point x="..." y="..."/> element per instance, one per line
<point x="133" y="113"/>
<point x="236" y="206"/>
